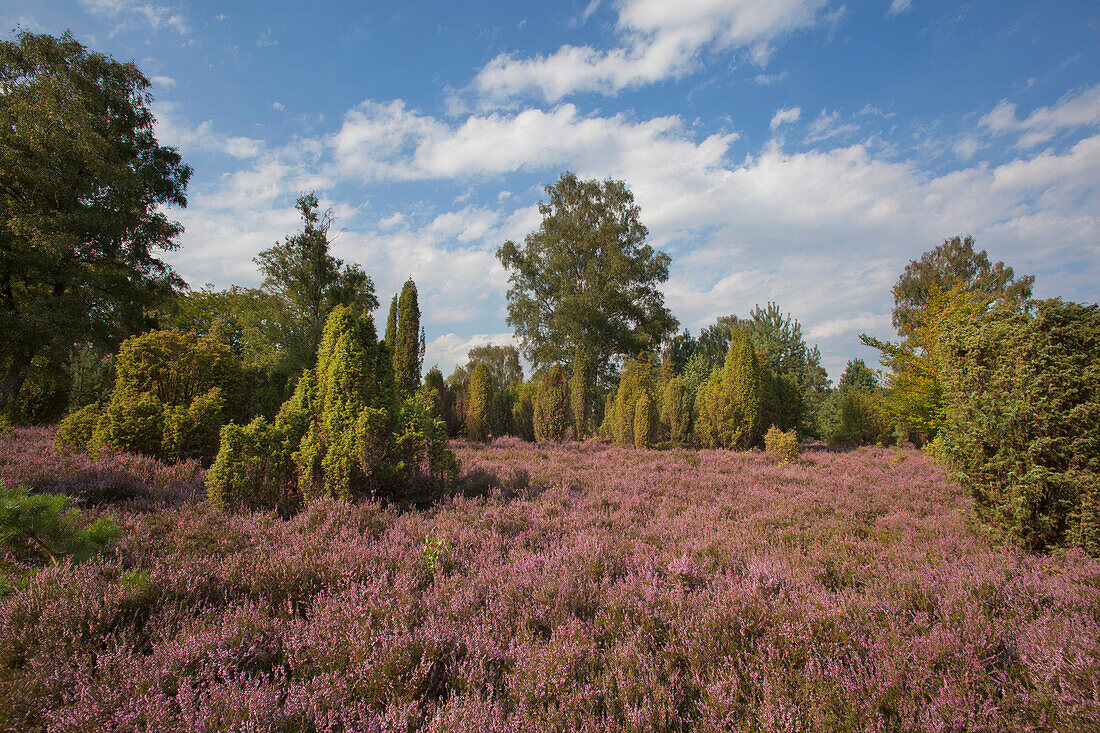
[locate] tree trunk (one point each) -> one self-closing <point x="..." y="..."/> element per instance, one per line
<point x="17" y="373"/>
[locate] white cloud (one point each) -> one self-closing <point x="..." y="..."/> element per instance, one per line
<point x="897" y="7"/>
<point x="173" y="131"/>
<point x="164" y="81"/>
<point x="279" y="106"/>
<point x="786" y="115"/>
<point x="450" y="349"/>
<point x="660" y="40"/>
<point x="863" y="323"/>
<point x="827" y="125"/>
<point x="128" y="12"/>
<point x="387" y="141"/>
<point x="966" y="146"/>
<point x="266" y="39"/>
<point x="824" y="232"/>
<point x="1074" y="110"/>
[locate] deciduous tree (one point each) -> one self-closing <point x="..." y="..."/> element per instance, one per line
<point x="83" y="188"/>
<point x="587" y="279"/>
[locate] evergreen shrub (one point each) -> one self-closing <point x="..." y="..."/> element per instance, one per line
<point x="551" y="409"/>
<point x="782" y="445"/>
<point x="1022" y="425"/>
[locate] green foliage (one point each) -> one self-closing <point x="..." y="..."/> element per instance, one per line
<point x="307" y="284"/>
<point x="44" y="397"/>
<point x="76" y="429"/>
<point x="422" y="445"/>
<point x="523" y="409"/>
<point x="953" y="264"/>
<point x="864" y="419"/>
<point x="1023" y="420"/>
<point x="133" y="422"/>
<point x="914" y="393"/>
<point x="179" y="366"/>
<point x="349" y="380"/>
<point x="84" y="185"/>
<point x="502" y="361"/>
<point x="194" y="431"/>
<point x="640" y="377"/>
<point x="581" y="393"/>
<point x="857" y="376"/>
<point x="730" y="406"/>
<point x="408" y="347"/>
<point x="782" y="445"/>
<point x="436" y="555"/>
<point x="254" y="469"/>
<point x="168" y="400"/>
<point x="643" y="421"/>
<point x="249" y="322"/>
<point x="43" y="525"/>
<point x="696" y="372"/>
<point x="587" y="278"/>
<point x="342" y="434"/>
<point x="391" y="325"/>
<point x="479" y="403"/>
<point x="676" y="412"/>
<point x="551" y="409"/>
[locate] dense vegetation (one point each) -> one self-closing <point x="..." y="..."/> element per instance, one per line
<point x="257" y="513"/>
<point x="593" y="588"/>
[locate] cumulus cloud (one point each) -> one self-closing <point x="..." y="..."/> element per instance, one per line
<point x="128" y="13"/>
<point x="660" y="40"/>
<point x="785" y="116"/>
<point x="824" y="231"/>
<point x="1075" y="110"/>
<point x="379" y="141"/>
<point x="172" y="130"/>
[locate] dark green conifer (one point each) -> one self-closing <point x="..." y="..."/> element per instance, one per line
<point x="407" y="352"/>
<point x="391" y="325"/>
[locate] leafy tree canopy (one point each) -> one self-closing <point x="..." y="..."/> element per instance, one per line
<point x="502" y="362"/>
<point x="309" y="283"/>
<point x="586" y="278"/>
<point x="83" y="183"/>
<point x="953" y="263"/>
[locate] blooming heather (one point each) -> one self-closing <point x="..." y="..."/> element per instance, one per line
<point x="594" y="589"/>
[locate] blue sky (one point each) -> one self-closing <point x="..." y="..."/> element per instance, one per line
<point x="797" y="151"/>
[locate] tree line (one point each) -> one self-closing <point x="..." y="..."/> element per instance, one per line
<point x="288" y="392"/>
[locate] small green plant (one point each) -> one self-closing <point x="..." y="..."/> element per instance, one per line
<point x="783" y="445"/>
<point x="437" y="555"/>
<point x="44" y="525"/>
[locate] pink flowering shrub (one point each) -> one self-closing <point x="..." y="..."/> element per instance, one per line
<point x="587" y="588"/>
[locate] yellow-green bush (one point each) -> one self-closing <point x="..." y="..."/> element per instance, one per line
<point x="76" y="429"/>
<point x="676" y="412"/>
<point x="479" y="403"/>
<point x="864" y="419"/>
<point x="782" y="445"/>
<point x="551" y="413"/>
<point x="173" y="391"/>
<point x="640" y="376"/>
<point x="193" y="431"/>
<point x="253" y="469"/>
<point x="730" y="405"/>
<point x="342" y="434"/>
<point x="643" y="422"/>
<point x="133" y="423"/>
